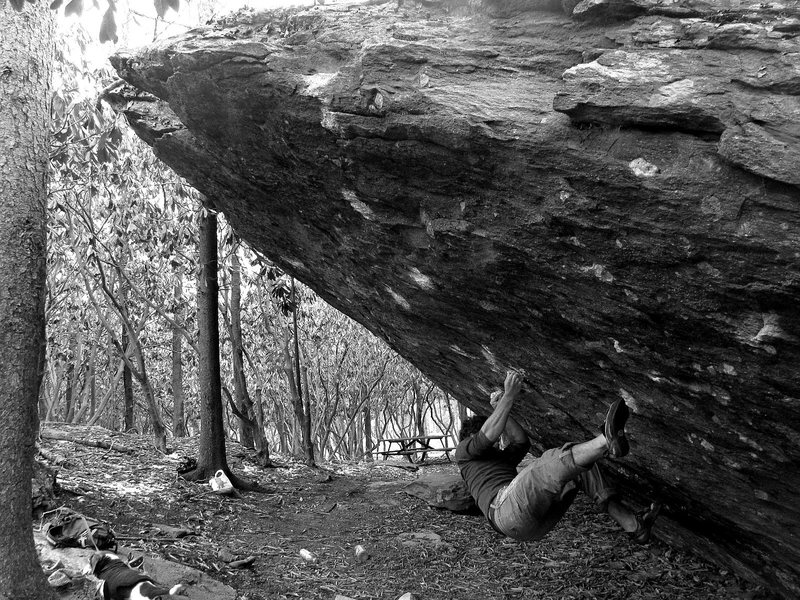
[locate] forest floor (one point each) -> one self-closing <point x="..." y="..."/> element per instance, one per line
<point x="330" y="510"/>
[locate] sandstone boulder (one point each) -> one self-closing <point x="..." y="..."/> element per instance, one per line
<point x="607" y="199"/>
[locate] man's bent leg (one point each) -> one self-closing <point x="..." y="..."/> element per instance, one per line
<point x="588" y="453"/>
<point x="622" y="515"/>
<point x="603" y="494"/>
<point x="597" y="487"/>
<point x="539" y="496"/>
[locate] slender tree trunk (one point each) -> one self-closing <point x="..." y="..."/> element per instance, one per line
<point x="305" y="412"/>
<point x="74" y="382"/>
<point x="357" y="447"/>
<point x="212" y="431"/>
<point x="280" y="426"/>
<point x="337" y="397"/>
<point x="46" y="393"/>
<point x="308" y="430"/>
<point x="26" y="58"/>
<point x="451" y="418"/>
<point x="57" y="375"/>
<point x="121" y="306"/>
<point x="302" y="420"/>
<point x="419" y="415"/>
<point x="242" y="397"/>
<point x="297" y="402"/>
<point x="178" y="395"/>
<point x="261" y="443"/>
<point x="211" y="453"/>
<point x="367" y="432"/>
<point x="154" y="411"/>
<point x="462" y="414"/>
<point x="93" y="380"/>
<point x="68" y="391"/>
<point x="109" y="394"/>
<point x="127" y="385"/>
<point x="86" y="397"/>
<point x="50" y="388"/>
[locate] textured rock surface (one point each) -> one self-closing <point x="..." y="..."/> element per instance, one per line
<point x="608" y="199"/>
<point x="442" y="490"/>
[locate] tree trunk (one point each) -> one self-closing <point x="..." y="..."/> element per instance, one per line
<point x="139" y="371"/>
<point x="260" y="441"/>
<point x="85" y="402"/>
<point x="26" y="58"/>
<point x="367" y="433"/>
<point x="122" y="308"/>
<point x="93" y="380"/>
<point x="357" y="429"/>
<point x="74" y="378"/>
<point x="68" y="392"/>
<point x="243" y="401"/>
<point x="462" y="415"/>
<point x="154" y="411"/>
<point x="294" y="394"/>
<point x="127" y="384"/>
<point x="291" y="367"/>
<point x="304" y="402"/>
<point x="419" y="413"/>
<point x="109" y="394"/>
<point x="308" y="423"/>
<point x="211" y="453"/>
<point x="212" y="431"/>
<point x="49" y="387"/>
<point x="280" y="426"/>
<point x="178" y="396"/>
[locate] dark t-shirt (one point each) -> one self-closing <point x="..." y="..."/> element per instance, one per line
<point x="119" y="578"/>
<point x="485" y="468"/>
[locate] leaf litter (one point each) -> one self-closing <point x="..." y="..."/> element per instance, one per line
<point x="254" y="543"/>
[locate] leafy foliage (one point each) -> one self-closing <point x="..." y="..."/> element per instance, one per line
<point x="162" y="6"/>
<point x="117" y="224"/>
<point x="108" y="24"/>
<point x="122" y="256"/>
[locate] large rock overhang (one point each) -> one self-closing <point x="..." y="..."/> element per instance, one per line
<point x="608" y="200"/>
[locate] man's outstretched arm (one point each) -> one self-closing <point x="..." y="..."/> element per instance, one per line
<point x="499" y="420"/>
<point x="514" y="433"/>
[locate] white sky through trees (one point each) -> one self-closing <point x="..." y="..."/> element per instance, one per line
<point x="136" y="23"/>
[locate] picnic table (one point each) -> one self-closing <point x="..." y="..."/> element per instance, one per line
<point x="416" y="446"/>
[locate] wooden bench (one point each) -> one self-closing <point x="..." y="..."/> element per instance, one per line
<point x="411" y="447"/>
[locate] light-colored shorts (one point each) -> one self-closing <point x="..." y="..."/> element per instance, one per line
<point x="531" y="505"/>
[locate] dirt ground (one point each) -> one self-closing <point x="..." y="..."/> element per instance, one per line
<point x="331" y="510"/>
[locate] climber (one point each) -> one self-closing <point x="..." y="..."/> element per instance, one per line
<point x="527" y="505"/>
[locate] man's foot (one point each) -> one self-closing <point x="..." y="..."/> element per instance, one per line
<point x="644" y="523"/>
<point x="614" y="429"/>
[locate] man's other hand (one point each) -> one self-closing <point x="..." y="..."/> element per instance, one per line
<point x="513" y="384"/>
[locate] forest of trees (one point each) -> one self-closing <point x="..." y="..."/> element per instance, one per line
<point x="121" y="306"/>
<point x="109" y="333"/>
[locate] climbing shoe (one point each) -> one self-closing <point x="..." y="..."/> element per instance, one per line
<point x="614" y="429"/>
<point x="644" y="523"/>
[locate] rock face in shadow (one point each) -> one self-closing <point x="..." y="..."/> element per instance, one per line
<point x="607" y="199"/>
